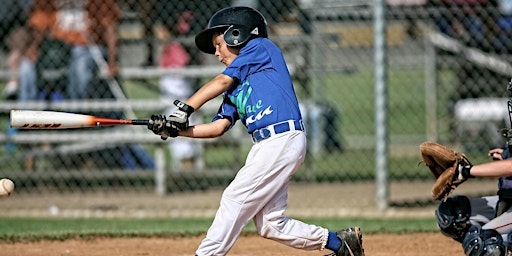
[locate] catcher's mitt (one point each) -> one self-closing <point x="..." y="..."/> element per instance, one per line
<point x="450" y="168"/>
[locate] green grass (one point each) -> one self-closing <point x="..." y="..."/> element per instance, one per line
<point x="33" y="229"/>
<point x="353" y="95"/>
<point x="27" y="229"/>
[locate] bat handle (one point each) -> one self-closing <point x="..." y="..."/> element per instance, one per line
<point x="140" y="122"/>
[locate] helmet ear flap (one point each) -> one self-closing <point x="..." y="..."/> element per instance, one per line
<point x="242" y="23"/>
<point x="237" y="35"/>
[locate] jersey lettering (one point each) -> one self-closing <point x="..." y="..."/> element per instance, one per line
<point x="240" y="98"/>
<point x="253" y="108"/>
<point x="259" y="116"/>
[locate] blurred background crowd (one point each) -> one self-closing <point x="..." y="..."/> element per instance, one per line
<point x="129" y="58"/>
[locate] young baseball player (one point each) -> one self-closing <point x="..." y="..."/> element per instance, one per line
<point x="257" y="90"/>
<point x="483" y="225"/>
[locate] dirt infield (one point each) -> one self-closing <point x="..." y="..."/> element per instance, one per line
<point x="424" y="244"/>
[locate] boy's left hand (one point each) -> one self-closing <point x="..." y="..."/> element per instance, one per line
<point x="159" y="125"/>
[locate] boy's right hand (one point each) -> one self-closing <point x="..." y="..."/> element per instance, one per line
<point x="179" y="118"/>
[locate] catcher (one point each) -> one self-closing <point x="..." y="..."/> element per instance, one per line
<point x="483" y="225"/>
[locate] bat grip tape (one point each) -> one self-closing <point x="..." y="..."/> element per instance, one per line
<point x="140" y="122"/>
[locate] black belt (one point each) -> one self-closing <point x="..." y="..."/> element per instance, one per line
<point x="286" y="126"/>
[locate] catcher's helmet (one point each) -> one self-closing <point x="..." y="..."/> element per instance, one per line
<point x="240" y="22"/>
<point x="453" y="216"/>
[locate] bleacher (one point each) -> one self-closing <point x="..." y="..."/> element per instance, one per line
<point x="476" y="119"/>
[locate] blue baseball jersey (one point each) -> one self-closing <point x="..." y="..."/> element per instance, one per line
<point x="262" y="93"/>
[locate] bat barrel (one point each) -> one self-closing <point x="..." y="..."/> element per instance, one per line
<point x="31" y="119"/>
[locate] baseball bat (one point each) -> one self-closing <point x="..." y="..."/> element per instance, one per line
<point x="34" y="119"/>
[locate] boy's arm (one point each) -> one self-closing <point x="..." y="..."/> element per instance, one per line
<point x="160" y="126"/>
<point x="178" y="120"/>
<point x="208" y="130"/>
<point x="210" y="90"/>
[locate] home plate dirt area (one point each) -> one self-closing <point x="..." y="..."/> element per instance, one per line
<point x="421" y="244"/>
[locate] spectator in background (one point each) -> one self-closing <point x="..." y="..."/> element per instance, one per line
<point x="181" y="18"/>
<point x="171" y="22"/>
<point x="476" y="24"/>
<point x="463" y="20"/>
<point x="144" y="10"/>
<point x="74" y="29"/>
<point x="503" y="32"/>
<point x="184" y="150"/>
<point x="64" y="36"/>
<point x="13" y="16"/>
<point x="176" y="20"/>
<point x="15" y="37"/>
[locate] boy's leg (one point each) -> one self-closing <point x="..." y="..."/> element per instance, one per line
<point x="267" y="168"/>
<point x="271" y="223"/>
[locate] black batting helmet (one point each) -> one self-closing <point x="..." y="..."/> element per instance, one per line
<point x="241" y="23"/>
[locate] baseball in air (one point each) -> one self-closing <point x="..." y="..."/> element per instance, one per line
<point x="6" y="187"/>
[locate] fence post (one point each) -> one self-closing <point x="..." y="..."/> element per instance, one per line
<point x="381" y="129"/>
<point x="430" y="91"/>
<point x="160" y="175"/>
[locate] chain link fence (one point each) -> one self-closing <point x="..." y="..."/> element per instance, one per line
<point x="448" y="72"/>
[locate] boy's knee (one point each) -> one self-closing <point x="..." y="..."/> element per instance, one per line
<point x="273" y="227"/>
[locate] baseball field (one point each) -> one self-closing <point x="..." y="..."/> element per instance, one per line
<point x="93" y="223"/>
<point x="145" y="224"/>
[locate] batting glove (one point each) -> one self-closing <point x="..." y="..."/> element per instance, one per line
<point x="159" y="125"/>
<point x="179" y="118"/>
